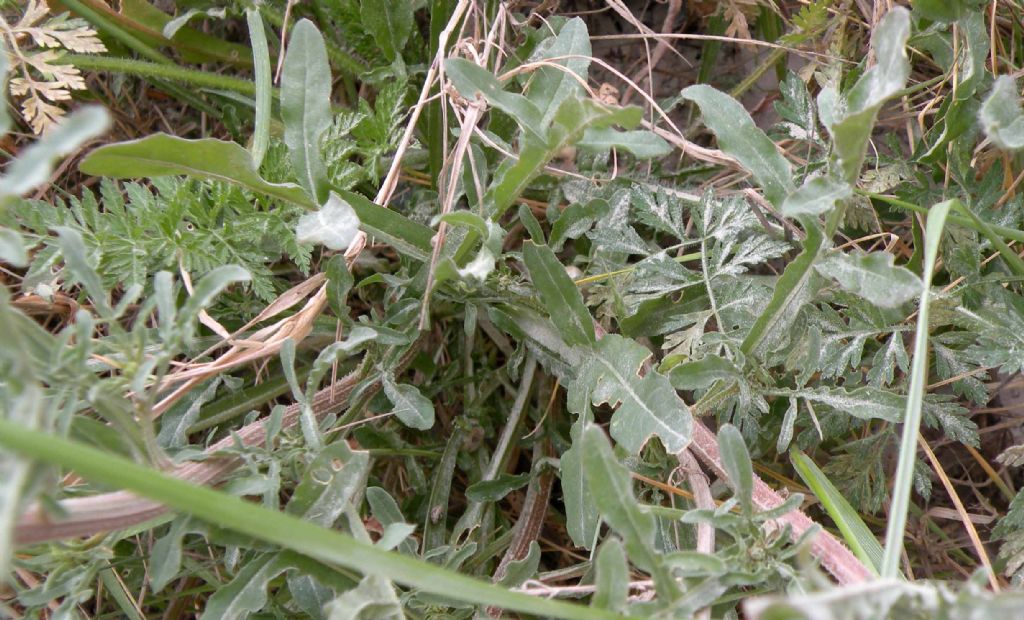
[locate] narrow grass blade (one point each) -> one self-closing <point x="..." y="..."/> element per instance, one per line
<point x="264" y="88"/>
<point x="912" y="419"/>
<point x="856" y="534"/>
<point x="277" y="528"/>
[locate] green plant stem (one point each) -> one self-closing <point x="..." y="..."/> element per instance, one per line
<point x="915" y="400"/>
<point x="279" y="528"/>
<point x="124" y="37"/>
<point x="161" y="71"/>
<point x="959" y="220"/>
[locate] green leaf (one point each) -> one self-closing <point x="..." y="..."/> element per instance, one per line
<point x="390" y="22"/>
<point x="306" y="106"/>
<point x="736" y="461"/>
<point x="895" y="531"/>
<point x="873" y="276"/>
<point x="78" y="262"/>
<point x="642" y="144"/>
<point x="740" y="137"/>
<point x="942" y="10"/>
<point x="816" y="196"/>
<point x="519" y="571"/>
<point x="339" y="283"/>
<point x="264" y="85"/>
<point x="34" y="164"/>
<point x="160" y="155"/>
<point x="1001" y="115"/>
<point x="329" y="483"/>
<point x="496" y="489"/>
<point x="581" y="513"/>
<point x="385" y="509"/>
<point x="851" y="130"/>
<point x="550" y="86"/>
<point x="408" y="237"/>
<point x="247" y="592"/>
<point x="166" y="561"/>
<point x="410" y="406"/>
<point x="574" y="116"/>
<point x="470" y="79"/>
<point x="703" y="373"/>
<point x="611" y="576"/>
<point x="374" y="598"/>
<point x="12" y="248"/>
<point x="647" y="406"/>
<point x="335" y="225"/>
<point x="559" y="294"/>
<point x="792" y="291"/>
<point x="856" y="534"/>
<point x="612" y="488"/>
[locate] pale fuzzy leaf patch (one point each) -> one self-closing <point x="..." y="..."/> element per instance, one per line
<point x="334" y="226"/>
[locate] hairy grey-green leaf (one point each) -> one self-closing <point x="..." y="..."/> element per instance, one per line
<point x="306" y="106"/>
<point x="374" y="598"/>
<point x="740" y="137"/>
<point x="648" y="406"/>
<point x="581" y="513"/>
<point x="264" y="85"/>
<point x="1001" y="115"/>
<point x="573" y="117"/>
<point x="410" y="406"/>
<point x="496" y="489"/>
<point x="816" y="196"/>
<point x="247" y="592"/>
<point x="550" y="86"/>
<point x="611" y="576"/>
<point x="385" y="509"/>
<point x="559" y="294"/>
<point x="390" y="22"/>
<point x="851" y="128"/>
<point x="736" y="461"/>
<point x="165" y="563"/>
<point x="12" y="248"/>
<point x="329" y="483"/>
<point x="702" y="373"/>
<point x="873" y="276"/>
<point x="160" y="155"/>
<point x="471" y="79"/>
<point x="34" y="164"/>
<point x="640" y="143"/>
<point x="334" y="225"/>
<point x="519" y="571"/>
<point x="612" y="488"/>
